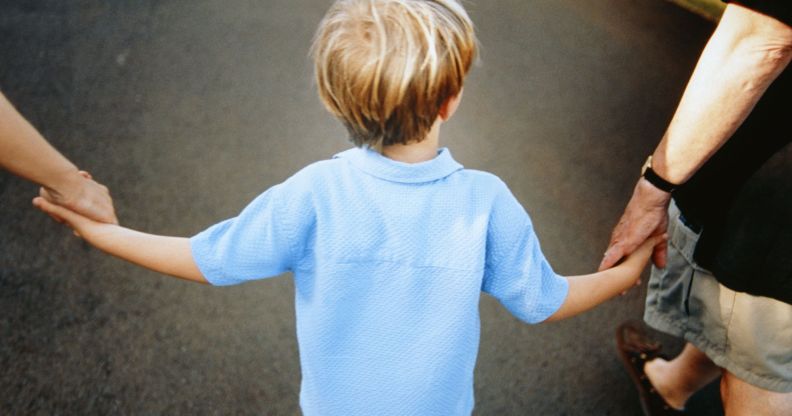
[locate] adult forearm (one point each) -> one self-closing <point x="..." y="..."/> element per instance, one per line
<point x="162" y="254"/>
<point x="24" y="152"/>
<point x="745" y="54"/>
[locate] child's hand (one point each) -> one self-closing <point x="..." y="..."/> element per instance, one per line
<point x="82" y="226"/>
<point x="636" y="262"/>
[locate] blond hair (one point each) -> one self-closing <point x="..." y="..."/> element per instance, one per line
<point x="386" y="67"/>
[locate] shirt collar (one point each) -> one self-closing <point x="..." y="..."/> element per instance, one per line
<point x="375" y="164"/>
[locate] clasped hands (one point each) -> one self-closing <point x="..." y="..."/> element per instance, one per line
<point x="81" y="194"/>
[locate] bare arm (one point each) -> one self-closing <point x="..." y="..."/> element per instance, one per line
<point x="744" y="56"/>
<point x="167" y="255"/>
<point x="24" y="152"/>
<point x="588" y="291"/>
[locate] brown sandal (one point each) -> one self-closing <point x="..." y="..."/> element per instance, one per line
<point x="635" y="349"/>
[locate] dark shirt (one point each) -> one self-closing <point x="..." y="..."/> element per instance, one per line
<point x="742" y="197"/>
<point x="779" y="9"/>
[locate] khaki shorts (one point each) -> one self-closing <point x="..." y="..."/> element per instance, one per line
<point x="750" y="336"/>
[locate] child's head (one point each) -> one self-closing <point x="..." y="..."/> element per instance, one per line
<point x="386" y="67"/>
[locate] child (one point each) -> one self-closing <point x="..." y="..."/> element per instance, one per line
<point x="390" y="248"/>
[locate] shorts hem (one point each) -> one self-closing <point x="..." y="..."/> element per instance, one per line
<point x="662" y="323"/>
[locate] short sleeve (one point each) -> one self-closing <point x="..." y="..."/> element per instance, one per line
<point x="260" y="242"/>
<point x="516" y="271"/>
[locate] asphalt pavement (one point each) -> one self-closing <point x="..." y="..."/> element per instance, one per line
<point x="189" y="109"/>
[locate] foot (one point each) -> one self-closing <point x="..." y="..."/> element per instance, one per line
<point x="636" y="348"/>
<point x="657" y="371"/>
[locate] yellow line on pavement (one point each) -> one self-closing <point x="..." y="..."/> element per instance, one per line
<point x="709" y="9"/>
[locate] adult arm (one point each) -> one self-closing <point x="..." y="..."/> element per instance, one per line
<point x="24" y="152"/>
<point x="747" y="51"/>
<point x="163" y="254"/>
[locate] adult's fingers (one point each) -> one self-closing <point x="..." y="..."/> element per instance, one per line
<point x="613" y="255"/>
<point x="46" y="194"/>
<point x="659" y="255"/>
<point x="95" y="201"/>
<point x="101" y="211"/>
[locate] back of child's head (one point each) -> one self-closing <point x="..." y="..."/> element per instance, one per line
<point x="386" y="67"/>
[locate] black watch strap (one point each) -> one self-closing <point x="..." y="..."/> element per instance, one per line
<point x="657" y="181"/>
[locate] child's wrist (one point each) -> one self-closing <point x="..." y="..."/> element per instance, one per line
<point x="626" y="273"/>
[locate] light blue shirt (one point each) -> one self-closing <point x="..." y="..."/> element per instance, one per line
<point x="389" y="260"/>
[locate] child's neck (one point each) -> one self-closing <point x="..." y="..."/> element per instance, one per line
<point x="417" y="152"/>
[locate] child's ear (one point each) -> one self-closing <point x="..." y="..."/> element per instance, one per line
<point x="450" y="106"/>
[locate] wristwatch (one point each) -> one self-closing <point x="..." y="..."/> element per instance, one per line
<point x="655" y="179"/>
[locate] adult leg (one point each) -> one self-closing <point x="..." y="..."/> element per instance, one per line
<point x="688" y="302"/>
<point x="678" y="379"/>
<point x="743" y="399"/>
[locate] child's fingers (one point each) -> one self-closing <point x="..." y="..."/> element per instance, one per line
<point x="55" y="218"/>
<point x="56" y="211"/>
<point x="43" y="193"/>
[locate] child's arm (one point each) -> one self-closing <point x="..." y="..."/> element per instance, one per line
<point x="167" y="255"/>
<point x="588" y="291"/>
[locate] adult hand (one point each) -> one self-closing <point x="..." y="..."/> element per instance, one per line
<point x="81" y="194"/>
<point x="645" y="217"/>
